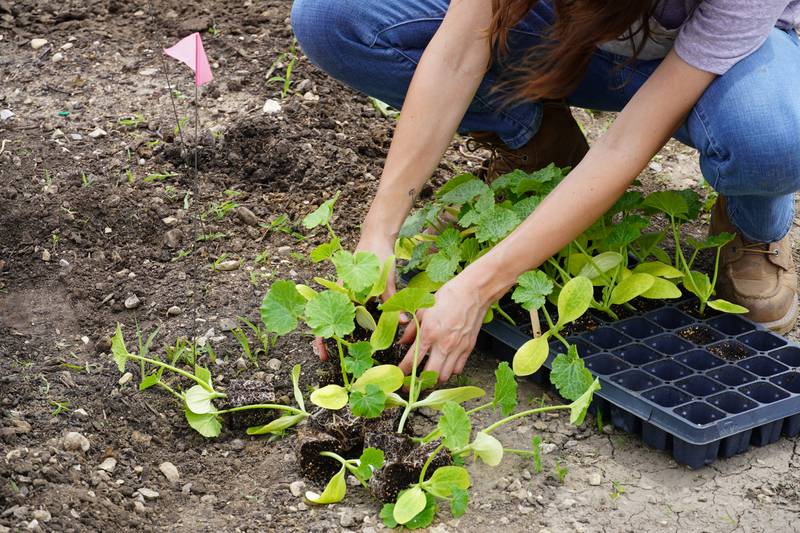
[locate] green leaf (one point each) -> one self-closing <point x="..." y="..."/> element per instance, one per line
<point x="387" y="515"/>
<point x="470" y="250"/>
<point x="359" y="358"/>
<point x="277" y="426"/>
<point x="574" y="300"/>
<point x="357" y="271"/>
<point x="334" y="492"/>
<point x="526" y="206"/>
<point x="426" y="380"/>
<point x="658" y="269"/>
<point x="330" y="314"/>
<point x="727" y="307"/>
<point x="439" y="398"/>
<point x="495" y="224"/>
<point x="600" y="264"/>
<point x="203" y="374"/>
<point x="395" y="400"/>
<point x="325" y="250"/>
<point x="409" y="504"/>
<point x="423" y="281"/>
<point x="330" y="285"/>
<point x="415" y="222"/>
<point x="298" y="394"/>
<point x="454" y="426"/>
<point x="662" y="290"/>
<point x="368" y="404"/>
<point x="365" y="319"/>
<point x="424" y="518"/>
<point x="626" y="231"/>
<point x="387" y="378"/>
<point x="379" y="287"/>
<point x="454" y="182"/>
<point x="669" y="202"/>
<point x="321" y="215"/>
<point x="198" y="400"/>
<point x="505" y="389"/>
<point x="531" y="356"/>
<point x="409" y="300"/>
<point x="118" y="349"/>
<point x="578" y="408"/>
<point x="386" y="330"/>
<point x="693" y="203"/>
<point x="459" y="503"/>
<point x="488" y="448"/>
<point x="281" y="307"/>
<point x="712" y="241"/>
<point x="207" y="424"/>
<point x="698" y="284"/>
<point x="371" y="459"/>
<point x="445" y="479"/>
<point x="332" y="397"/>
<point x="464" y="192"/>
<point x="569" y="374"/>
<point x="149" y="381"/>
<point x="631" y="287"/>
<point x="442" y="267"/>
<point x="532" y="289"/>
<point x="449" y="241"/>
<point x="629" y="201"/>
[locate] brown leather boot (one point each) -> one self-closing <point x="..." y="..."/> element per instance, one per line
<point x="759" y="276"/>
<point x="559" y="140"/>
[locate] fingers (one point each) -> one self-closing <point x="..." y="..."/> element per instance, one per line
<point x="409" y="334"/>
<point x="319" y="349"/>
<point x="391" y="289"/>
<point x="437" y="362"/>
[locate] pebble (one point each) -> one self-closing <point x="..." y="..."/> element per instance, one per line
<point x="6" y="114"/>
<point x="271" y="107"/>
<point x="81" y="412"/>
<point x="45" y="255"/>
<point x="237" y="445"/>
<point x="311" y="97"/>
<point x="174" y="311"/>
<point x="127" y="376"/>
<point x="274" y="364"/>
<point x="241" y="364"/>
<point x="75" y="136"/>
<point x="170" y="471"/>
<point x="595" y="479"/>
<point x="38" y="43"/>
<point x="608" y="429"/>
<point x="149" y="494"/>
<point x="208" y="498"/>
<point x="34" y="525"/>
<point x="97" y="133"/>
<point x="173" y="238"/>
<point x="42" y="515"/>
<point x="247" y="216"/>
<point x="297" y="488"/>
<point x="526" y="474"/>
<point x="169" y="221"/>
<point x="347" y="518"/>
<point x="230" y="264"/>
<point x="514" y="486"/>
<point x="132" y="302"/>
<point x="74" y="441"/>
<point x="108" y="465"/>
<point x="139" y="507"/>
<point x="548" y="447"/>
<point x="58" y="56"/>
<point x="570" y="444"/>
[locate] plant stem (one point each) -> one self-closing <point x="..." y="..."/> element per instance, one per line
<point x="527" y="453"/>
<point x="433" y="454"/>
<point x="346" y="463"/>
<point x="522" y="414"/>
<point x="435" y="433"/>
<point x="504" y="314"/>
<point x="341" y="361"/>
<point x="592" y="262"/>
<point x="411" y="396"/>
<point x="170" y="389"/>
<point x="275" y="406"/>
<point x="171" y="368"/>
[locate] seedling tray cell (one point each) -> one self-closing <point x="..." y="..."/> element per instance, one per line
<point x="698" y="388"/>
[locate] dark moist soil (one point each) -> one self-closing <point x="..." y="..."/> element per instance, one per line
<point x="585" y="323"/>
<point x="729" y="351"/>
<point x="699" y="335"/>
<point x="692" y="308"/>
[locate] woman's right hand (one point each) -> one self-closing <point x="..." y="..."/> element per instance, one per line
<point x="382" y="247"/>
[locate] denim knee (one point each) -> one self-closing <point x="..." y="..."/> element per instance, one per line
<point x="324" y="31"/>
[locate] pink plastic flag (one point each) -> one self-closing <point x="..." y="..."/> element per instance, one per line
<point x="189" y="50"/>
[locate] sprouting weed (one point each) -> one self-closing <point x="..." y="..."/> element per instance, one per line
<point x="215" y="265"/>
<point x="152" y="178"/>
<point x="261" y="257"/>
<point x="220" y="209"/>
<point x="618" y="490"/>
<point x="180" y="255"/>
<point x="210" y="237"/>
<point x="561" y="472"/>
<point x="286" y="60"/>
<point x="86" y="180"/>
<point x="131" y="121"/>
<point x="60" y="407"/>
<point x="536" y="447"/>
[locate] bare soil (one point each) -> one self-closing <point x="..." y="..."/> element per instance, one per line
<point x="103" y="228"/>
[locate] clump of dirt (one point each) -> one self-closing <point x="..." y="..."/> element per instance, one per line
<point x="402" y="466"/>
<point x="249" y="392"/>
<point x="692" y="308"/>
<point x="729" y="350"/>
<point x="699" y="335"/>
<point x="585" y="323"/>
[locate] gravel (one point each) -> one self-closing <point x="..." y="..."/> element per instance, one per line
<point x="170" y="471"/>
<point x="74" y="441"/>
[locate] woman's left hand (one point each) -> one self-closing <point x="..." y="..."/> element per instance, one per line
<point x="449" y="329"/>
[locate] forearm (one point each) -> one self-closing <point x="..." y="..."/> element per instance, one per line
<point x="442" y="88"/>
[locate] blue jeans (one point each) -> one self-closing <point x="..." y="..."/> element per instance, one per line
<point x="746" y="126"/>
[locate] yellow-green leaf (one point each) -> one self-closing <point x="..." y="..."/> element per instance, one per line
<point x="574" y="299"/>
<point x="277" y="426"/>
<point x="631" y="287"/>
<point x="531" y="356"/>
<point x="118" y="349"/>
<point x="198" y="400"/>
<point x="662" y="289"/>
<point x="364" y="318"/>
<point x="388" y="378"/>
<point x="658" y="269"/>
<point x="727" y="307"/>
<point x="332" y="397"/>
<point x="438" y="398"/>
<point x="600" y="264"/>
<point x="386" y="330"/>
<point x="328" y="284"/>
<point x="424" y="282"/>
<point x="334" y="492"/>
<point x="410" y="503"/>
<point x="488" y="448"/>
<point x="305" y="291"/>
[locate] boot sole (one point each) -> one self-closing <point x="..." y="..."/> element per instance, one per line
<point x="786" y="323"/>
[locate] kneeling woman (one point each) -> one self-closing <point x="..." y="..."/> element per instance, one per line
<point x="718" y="75"/>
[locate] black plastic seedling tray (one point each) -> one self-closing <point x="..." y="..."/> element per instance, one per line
<point x="676" y="392"/>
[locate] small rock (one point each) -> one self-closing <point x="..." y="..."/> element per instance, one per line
<point x="132" y="302"/>
<point x="567" y="503"/>
<point x="97" y="133"/>
<point x="595" y="479"/>
<point x="237" y="445"/>
<point x="42" y="515"/>
<point x="297" y="488"/>
<point x="81" y="412"/>
<point x="139" y="507"/>
<point x="548" y="447"/>
<point x="174" y="311"/>
<point x="141" y="438"/>
<point x="514" y="486"/>
<point x="570" y="443"/>
<point x="347" y="518"/>
<point x="173" y="238"/>
<point x="38" y="43"/>
<point x="170" y="471"/>
<point x="353" y="481"/>
<point x="108" y="465"/>
<point x="58" y="56"/>
<point x="74" y="441"/>
<point x="526" y="474"/>
<point x="271" y="107"/>
<point x="127" y="376"/>
<point x="247" y="216"/>
<point x="66" y="46"/>
<point x="608" y="429"/>
<point x="230" y="264"/>
<point x="228" y="324"/>
<point x="6" y="114"/>
<point x="34" y="525"/>
<point x="169" y="221"/>
<point x="149" y="494"/>
<point x="208" y="498"/>
<point x="241" y="364"/>
<point x="45" y="255"/>
<point x="274" y="364"/>
<point x="311" y="97"/>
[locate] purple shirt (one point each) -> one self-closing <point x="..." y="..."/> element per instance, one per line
<point x="716" y="34"/>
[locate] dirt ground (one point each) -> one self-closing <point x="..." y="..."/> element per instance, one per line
<point x="95" y="230"/>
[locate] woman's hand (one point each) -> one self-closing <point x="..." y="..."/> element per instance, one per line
<point x="449" y="329"/>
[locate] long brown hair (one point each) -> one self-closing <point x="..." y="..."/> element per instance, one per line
<point x="555" y="68"/>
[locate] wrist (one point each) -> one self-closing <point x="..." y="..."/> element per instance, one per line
<point x="488" y="280"/>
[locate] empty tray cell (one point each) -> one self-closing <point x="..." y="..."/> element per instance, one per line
<point x="667" y="396"/>
<point x="730" y="324"/>
<point x="699" y="413"/>
<point x="639" y="328"/>
<point x="670" y="318"/>
<point x="669" y="344"/>
<point x="607" y="338"/>
<point x="789" y="381"/>
<point x="699" y="334"/>
<point x="763" y="366"/>
<point x="636" y="380"/>
<point x="699" y="386"/>
<point x="584" y="348"/>
<point x="700" y="360"/>
<point x="730" y="350"/>
<point x="667" y="370"/>
<point x="764" y="392"/>
<point x="732" y="402"/>
<point x="637" y="354"/>
<point x="605" y="364"/>
<point x="762" y="341"/>
<point x="788" y="356"/>
<point x="731" y="376"/>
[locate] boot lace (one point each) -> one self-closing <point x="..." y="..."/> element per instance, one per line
<point x="756" y="248"/>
